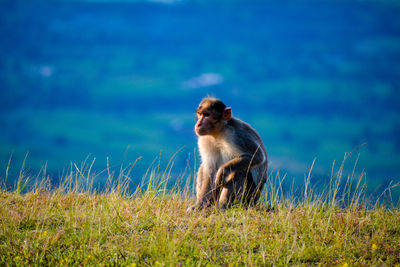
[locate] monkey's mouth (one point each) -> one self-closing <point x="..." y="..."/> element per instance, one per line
<point x="200" y="131"/>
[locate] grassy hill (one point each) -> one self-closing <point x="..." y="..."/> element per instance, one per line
<point x="73" y="224"/>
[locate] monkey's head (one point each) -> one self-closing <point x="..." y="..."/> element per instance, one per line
<point x="211" y="116"/>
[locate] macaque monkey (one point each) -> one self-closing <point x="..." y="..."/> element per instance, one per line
<point x="233" y="158"/>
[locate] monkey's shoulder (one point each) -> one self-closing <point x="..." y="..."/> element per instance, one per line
<point x="239" y="125"/>
<point x="242" y="131"/>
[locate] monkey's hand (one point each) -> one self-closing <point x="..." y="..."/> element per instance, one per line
<point x="237" y="167"/>
<point x="224" y="175"/>
<point x="191" y="209"/>
<point x="196" y="207"/>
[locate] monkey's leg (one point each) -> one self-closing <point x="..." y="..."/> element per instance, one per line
<point x="251" y="191"/>
<point x="233" y="191"/>
<point x="239" y="188"/>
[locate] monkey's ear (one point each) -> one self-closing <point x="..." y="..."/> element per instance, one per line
<point x="227" y="114"/>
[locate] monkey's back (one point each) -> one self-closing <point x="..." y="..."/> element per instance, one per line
<point x="250" y="141"/>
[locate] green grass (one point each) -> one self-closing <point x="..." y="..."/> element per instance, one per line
<point x="74" y="224"/>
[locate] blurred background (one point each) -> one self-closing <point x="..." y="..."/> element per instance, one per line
<point x="122" y="79"/>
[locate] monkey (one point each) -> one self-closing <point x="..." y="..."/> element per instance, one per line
<point x="234" y="161"/>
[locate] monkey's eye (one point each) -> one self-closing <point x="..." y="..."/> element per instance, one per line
<point x="206" y="114"/>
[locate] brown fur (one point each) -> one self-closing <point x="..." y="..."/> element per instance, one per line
<point x="234" y="160"/>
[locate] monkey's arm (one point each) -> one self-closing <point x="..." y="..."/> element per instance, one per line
<point x="204" y="190"/>
<point x="235" y="182"/>
<point x="239" y="165"/>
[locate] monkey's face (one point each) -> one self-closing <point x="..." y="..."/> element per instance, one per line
<point x="207" y="122"/>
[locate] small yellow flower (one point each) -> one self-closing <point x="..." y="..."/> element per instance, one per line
<point x="345" y="264"/>
<point x="374" y="246"/>
<point x="133" y="264"/>
<point x="44" y="234"/>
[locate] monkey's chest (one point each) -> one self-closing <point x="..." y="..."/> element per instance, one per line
<point x="217" y="153"/>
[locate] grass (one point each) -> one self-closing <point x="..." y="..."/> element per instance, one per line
<point x="75" y="224"/>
